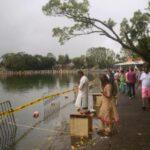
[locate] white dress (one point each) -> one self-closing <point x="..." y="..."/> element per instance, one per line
<point x="82" y="97"/>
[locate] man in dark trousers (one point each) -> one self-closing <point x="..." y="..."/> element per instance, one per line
<point x="131" y="80"/>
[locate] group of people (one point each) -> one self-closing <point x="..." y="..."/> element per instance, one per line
<point x="111" y="84"/>
<point x="107" y="108"/>
<point x="134" y="78"/>
<point x="126" y="81"/>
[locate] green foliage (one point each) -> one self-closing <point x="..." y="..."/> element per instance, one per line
<point x="96" y="57"/>
<point x="65" y="7"/>
<point x="79" y="62"/>
<point x="131" y="31"/>
<point x="101" y="56"/>
<point x="110" y="23"/>
<point x="90" y="62"/>
<point x="135" y="29"/>
<point x="144" y="46"/>
<point x="63" y="59"/>
<point x="75" y="10"/>
<point x="23" y="61"/>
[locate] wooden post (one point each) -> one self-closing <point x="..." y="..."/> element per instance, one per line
<point x="96" y="96"/>
<point x="80" y="125"/>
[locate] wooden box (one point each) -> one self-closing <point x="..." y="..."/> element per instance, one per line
<point x="80" y="125"/>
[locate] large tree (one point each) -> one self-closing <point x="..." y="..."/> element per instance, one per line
<point x="101" y="57"/>
<point x="134" y="33"/>
<point x="63" y="60"/>
<point x="79" y="62"/>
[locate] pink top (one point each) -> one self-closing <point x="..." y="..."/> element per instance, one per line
<point x="131" y="77"/>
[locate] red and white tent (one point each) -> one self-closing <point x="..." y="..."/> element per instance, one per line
<point x="131" y="62"/>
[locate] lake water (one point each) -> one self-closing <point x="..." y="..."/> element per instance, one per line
<point x="50" y="129"/>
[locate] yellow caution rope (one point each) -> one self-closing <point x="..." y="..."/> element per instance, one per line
<point x="40" y="100"/>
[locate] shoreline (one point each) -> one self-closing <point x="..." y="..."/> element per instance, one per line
<point x="38" y="72"/>
<point x="45" y="72"/>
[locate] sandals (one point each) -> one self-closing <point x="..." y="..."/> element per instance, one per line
<point x="104" y="133"/>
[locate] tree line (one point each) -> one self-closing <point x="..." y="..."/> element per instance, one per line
<point x="99" y="57"/>
<point x="22" y="61"/>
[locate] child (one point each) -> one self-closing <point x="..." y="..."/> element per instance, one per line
<point x="107" y="109"/>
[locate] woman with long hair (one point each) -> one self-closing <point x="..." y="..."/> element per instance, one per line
<point x="107" y="109"/>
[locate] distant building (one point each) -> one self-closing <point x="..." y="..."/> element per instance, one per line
<point x="131" y="61"/>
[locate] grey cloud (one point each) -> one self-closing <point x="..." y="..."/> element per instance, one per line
<point x="24" y="27"/>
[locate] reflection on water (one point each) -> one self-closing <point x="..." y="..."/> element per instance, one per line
<point x="38" y="81"/>
<point x="54" y="113"/>
<point x="27" y="82"/>
<point x="64" y="79"/>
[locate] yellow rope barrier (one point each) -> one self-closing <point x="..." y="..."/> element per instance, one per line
<point x="38" y="101"/>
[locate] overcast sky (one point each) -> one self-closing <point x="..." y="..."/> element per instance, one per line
<point x="24" y="27"/>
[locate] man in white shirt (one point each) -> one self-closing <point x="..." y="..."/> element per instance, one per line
<point x="82" y="98"/>
<point x="145" y="91"/>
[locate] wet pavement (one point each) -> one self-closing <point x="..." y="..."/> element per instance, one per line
<point x="134" y="130"/>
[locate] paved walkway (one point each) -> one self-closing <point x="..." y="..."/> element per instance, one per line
<point x="134" y="130"/>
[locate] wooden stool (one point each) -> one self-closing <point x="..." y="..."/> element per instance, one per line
<point x="80" y="125"/>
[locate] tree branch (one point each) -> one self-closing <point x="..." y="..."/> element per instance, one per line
<point x="129" y="40"/>
<point x="80" y="19"/>
<point x="84" y="19"/>
<point x="85" y="33"/>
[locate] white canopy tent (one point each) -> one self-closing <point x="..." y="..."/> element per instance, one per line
<point x="140" y="62"/>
